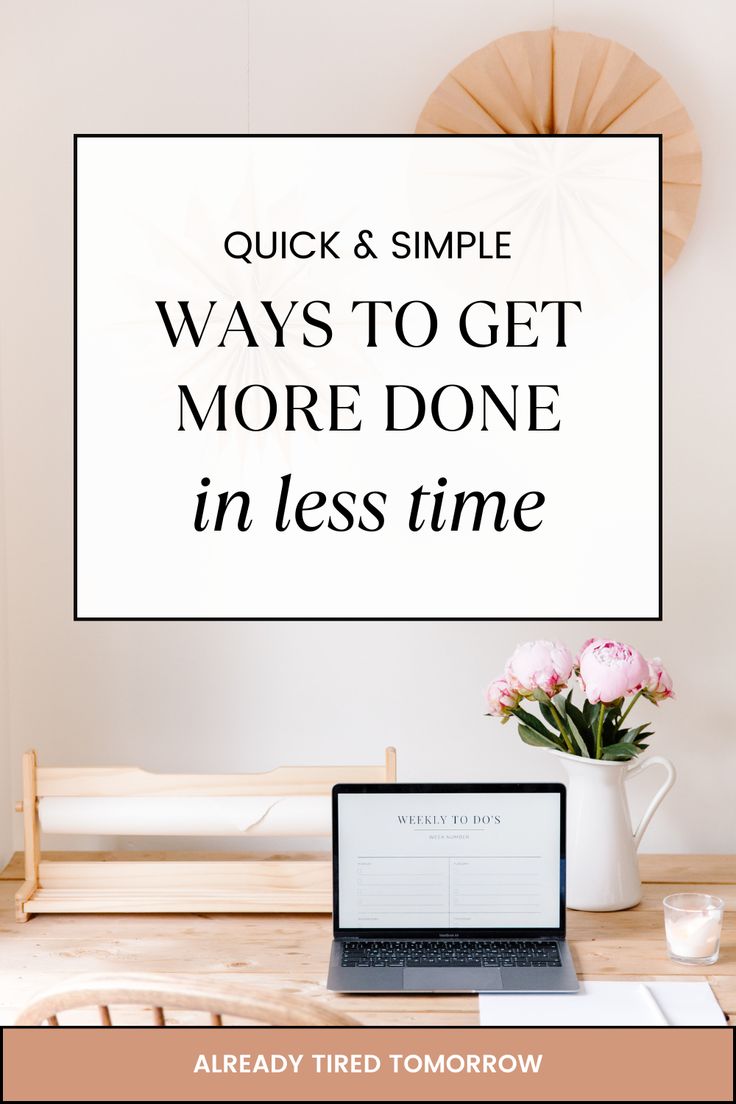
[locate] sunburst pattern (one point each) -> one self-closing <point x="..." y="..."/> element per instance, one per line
<point x="567" y="82"/>
<point x="562" y="204"/>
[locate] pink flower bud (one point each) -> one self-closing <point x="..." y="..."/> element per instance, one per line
<point x="500" y="698"/>
<point x="659" y="684"/>
<point x="539" y="665"/>
<point x="610" y="670"/>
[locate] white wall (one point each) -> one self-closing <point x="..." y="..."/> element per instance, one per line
<point x="6" y="799"/>
<point x="248" y="696"/>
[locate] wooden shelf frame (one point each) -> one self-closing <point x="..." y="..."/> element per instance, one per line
<point x="242" y="884"/>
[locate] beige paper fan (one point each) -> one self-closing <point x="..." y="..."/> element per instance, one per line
<point x="567" y="82"/>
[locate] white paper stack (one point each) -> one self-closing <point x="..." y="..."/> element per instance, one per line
<point x="607" y="1004"/>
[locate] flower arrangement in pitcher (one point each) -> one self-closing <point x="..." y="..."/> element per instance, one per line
<point x="613" y="676"/>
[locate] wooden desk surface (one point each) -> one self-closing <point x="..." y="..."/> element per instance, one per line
<point x="290" y="953"/>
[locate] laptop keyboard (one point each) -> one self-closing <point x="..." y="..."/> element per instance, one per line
<point x="445" y="952"/>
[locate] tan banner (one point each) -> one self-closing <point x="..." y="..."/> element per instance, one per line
<point x="368" y="1064"/>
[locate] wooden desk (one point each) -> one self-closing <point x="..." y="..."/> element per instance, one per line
<point x="290" y="953"/>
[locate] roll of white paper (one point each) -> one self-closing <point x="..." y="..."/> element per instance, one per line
<point x="186" y="816"/>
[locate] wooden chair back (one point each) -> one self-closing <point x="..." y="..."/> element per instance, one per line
<point x="159" y="994"/>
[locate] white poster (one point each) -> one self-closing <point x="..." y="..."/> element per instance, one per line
<point x="368" y="377"/>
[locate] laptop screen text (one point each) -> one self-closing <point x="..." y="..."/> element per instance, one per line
<point x="449" y="860"/>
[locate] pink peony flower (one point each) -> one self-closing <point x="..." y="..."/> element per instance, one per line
<point x="611" y="670"/>
<point x="585" y="645"/>
<point x="539" y="665"/>
<point x="659" y="684"/>
<point x="501" y="699"/>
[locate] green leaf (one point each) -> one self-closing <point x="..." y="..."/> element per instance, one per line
<point x="588" y="712"/>
<point x="561" y="703"/>
<point x="546" y="711"/>
<point x="611" y="731"/>
<point x="535" y="739"/>
<point x="633" y="735"/>
<point x="621" y="751"/>
<point x="577" y="736"/>
<point x="607" y="731"/>
<point x="540" y="696"/>
<point x="534" y="722"/>
<point x="576" y="716"/>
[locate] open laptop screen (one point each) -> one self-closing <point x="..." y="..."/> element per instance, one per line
<point x="448" y="859"/>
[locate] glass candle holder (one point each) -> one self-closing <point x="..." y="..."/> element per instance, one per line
<point x="692" y="924"/>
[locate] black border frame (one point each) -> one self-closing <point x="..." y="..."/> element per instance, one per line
<point x="419" y="137"/>
<point x="443" y="788"/>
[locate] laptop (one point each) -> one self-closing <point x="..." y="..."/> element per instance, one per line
<point x="449" y="888"/>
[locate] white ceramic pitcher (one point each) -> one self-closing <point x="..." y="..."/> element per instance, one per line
<point x="602" y="867"/>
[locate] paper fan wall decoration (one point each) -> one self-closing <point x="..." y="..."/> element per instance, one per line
<point x="568" y="82"/>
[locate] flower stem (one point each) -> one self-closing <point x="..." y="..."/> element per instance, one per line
<point x="563" y="733"/>
<point x="630" y="706"/>
<point x="599" y="732"/>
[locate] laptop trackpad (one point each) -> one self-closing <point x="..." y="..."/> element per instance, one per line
<point x="461" y="979"/>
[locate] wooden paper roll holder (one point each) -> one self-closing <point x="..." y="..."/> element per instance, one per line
<point x="249" y="883"/>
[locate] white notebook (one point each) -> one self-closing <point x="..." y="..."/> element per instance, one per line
<point x="607" y="1004"/>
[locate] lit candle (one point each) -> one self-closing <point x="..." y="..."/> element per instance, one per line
<point x="694" y="937"/>
<point x="693" y="926"/>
